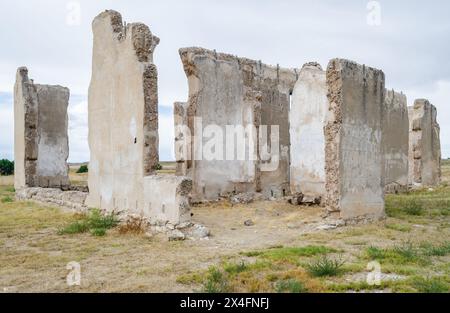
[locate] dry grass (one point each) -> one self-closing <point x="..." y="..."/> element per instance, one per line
<point x="270" y="256"/>
<point x="446" y="171"/>
<point x="77" y="179"/>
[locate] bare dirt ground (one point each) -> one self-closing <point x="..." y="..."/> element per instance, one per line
<point x="33" y="256"/>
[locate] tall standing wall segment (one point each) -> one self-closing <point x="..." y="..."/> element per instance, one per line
<point x="226" y="90"/>
<point x="353" y="141"/>
<point x="123" y="126"/>
<point x="41" y="144"/>
<point x="425" y="145"/>
<point x="395" y="142"/>
<point x="307" y="117"/>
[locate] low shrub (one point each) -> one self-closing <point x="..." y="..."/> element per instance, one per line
<point x="83" y="169"/>
<point x="94" y="221"/>
<point x="325" y="266"/>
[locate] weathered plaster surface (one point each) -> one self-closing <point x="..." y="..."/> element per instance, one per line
<point x="395" y="141"/>
<point x="227" y="90"/>
<point x="53" y="145"/>
<point x="123" y="124"/>
<point x="182" y="137"/>
<point x="41" y="144"/>
<point x="424" y="146"/>
<point x="353" y="138"/>
<point x="307" y="117"/>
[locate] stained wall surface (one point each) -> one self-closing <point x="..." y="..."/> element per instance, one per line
<point x="307" y="117"/>
<point x="182" y="137"/>
<point x="395" y="141"/>
<point x="227" y="90"/>
<point x="425" y="145"/>
<point x="41" y="145"/>
<point x="123" y="125"/>
<point x="353" y="139"/>
<point x="53" y="144"/>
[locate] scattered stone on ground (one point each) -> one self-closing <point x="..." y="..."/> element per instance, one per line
<point x="249" y="223"/>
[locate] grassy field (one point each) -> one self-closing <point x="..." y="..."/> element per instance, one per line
<point x="281" y="253"/>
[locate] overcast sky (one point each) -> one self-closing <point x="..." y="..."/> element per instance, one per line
<point x="411" y="45"/>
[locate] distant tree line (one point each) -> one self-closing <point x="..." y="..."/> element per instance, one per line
<point x="6" y="168"/>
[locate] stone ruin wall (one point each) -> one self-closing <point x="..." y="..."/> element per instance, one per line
<point x="123" y="127"/>
<point x="307" y="118"/>
<point x="353" y="138"/>
<point x="228" y="90"/>
<point x="395" y="142"/>
<point x="346" y="139"/>
<point x="41" y="145"/>
<point x="424" y="146"/>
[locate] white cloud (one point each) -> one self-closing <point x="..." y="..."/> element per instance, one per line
<point x="166" y="137"/>
<point x="411" y="45"/>
<point x="6" y="128"/>
<point x="78" y="131"/>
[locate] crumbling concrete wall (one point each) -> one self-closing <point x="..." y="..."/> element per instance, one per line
<point x="307" y="117"/>
<point x="227" y="90"/>
<point x="424" y="145"/>
<point x="123" y="126"/>
<point x="182" y="138"/>
<point x="41" y="145"/>
<point x="53" y="145"/>
<point x="395" y="141"/>
<point x="353" y="140"/>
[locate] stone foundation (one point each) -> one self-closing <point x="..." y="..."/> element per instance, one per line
<point x="68" y="200"/>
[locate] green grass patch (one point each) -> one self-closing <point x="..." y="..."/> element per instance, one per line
<point x="77" y="227"/>
<point x="290" y="254"/>
<point x="430" y="285"/>
<point x="419" y="203"/>
<point x="94" y="222"/>
<point x="399" y="227"/>
<point x="7" y="199"/>
<point x="236" y="268"/>
<point x="190" y="278"/>
<point x="405" y="253"/>
<point x="325" y="266"/>
<point x="436" y="250"/>
<point x="358" y="286"/>
<point x="376" y="253"/>
<point x="290" y="286"/>
<point x="215" y="282"/>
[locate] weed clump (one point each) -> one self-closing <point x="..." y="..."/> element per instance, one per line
<point x="414" y="208"/>
<point x="94" y="222"/>
<point x="215" y="282"/>
<point x="7" y="200"/>
<point x="290" y="286"/>
<point x="430" y="285"/>
<point x="325" y="266"/>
